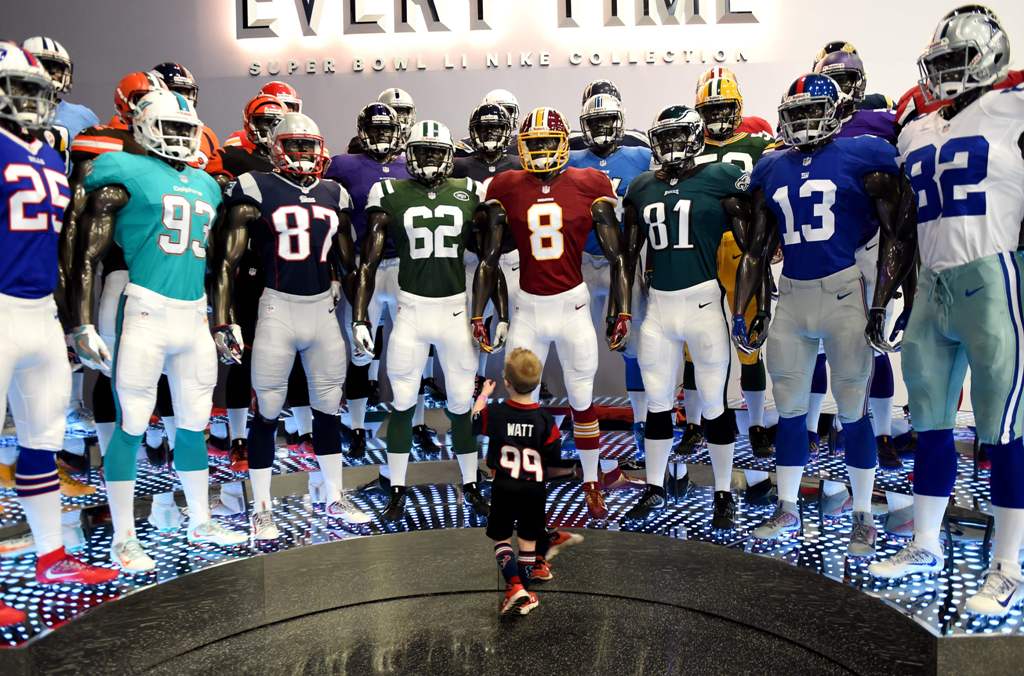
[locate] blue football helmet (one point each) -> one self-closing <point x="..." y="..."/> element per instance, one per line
<point x="809" y="112"/>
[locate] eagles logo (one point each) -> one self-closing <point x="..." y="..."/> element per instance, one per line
<point x="743" y="182"/>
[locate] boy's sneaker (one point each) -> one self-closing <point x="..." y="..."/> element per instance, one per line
<point x="541" y="571"/>
<point x="517" y="600"/>
<point x="559" y="541"/>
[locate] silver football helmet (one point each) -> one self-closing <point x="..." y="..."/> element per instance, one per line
<point x="969" y="49"/>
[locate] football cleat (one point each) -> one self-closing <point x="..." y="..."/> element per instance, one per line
<point x="724" y="516"/>
<point x="862" y="538"/>
<point x="433" y="392"/>
<point x="615" y="480"/>
<point x="423" y="439"/>
<point x="159" y="456"/>
<point x="73" y="462"/>
<point x="230" y="501"/>
<point x="984" y="458"/>
<point x="559" y="541"/>
<point x="72" y="535"/>
<point x="165" y="518"/>
<point x="131" y="557"/>
<point x="10" y="616"/>
<point x="541" y="571"/>
<point x="634" y="465"/>
<point x="357" y="446"/>
<point x="837" y="504"/>
<point x="888" y="457"/>
<point x="517" y="601"/>
<point x="760" y="442"/>
<point x="6" y="476"/>
<point x="217" y="447"/>
<point x="396" y="504"/>
<point x="304" y="446"/>
<point x="595" y="500"/>
<point x="213" y="533"/>
<point x="693" y="439"/>
<point x="900" y="522"/>
<point x="909" y="560"/>
<point x="761" y="494"/>
<point x="14" y="547"/>
<point x="263" y="527"/>
<point x="58" y="567"/>
<point x="652" y="502"/>
<point x="1002" y="591"/>
<point x="72" y="487"/>
<point x="239" y="456"/>
<point x="475" y="499"/>
<point x="343" y="508"/>
<point x="813" y="443"/>
<point x="782" y="522"/>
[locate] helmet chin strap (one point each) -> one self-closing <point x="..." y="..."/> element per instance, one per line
<point x="604" y="149"/>
<point x="16" y="129"/>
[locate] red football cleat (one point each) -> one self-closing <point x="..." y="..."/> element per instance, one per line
<point x="217" y="447"/>
<point x="59" y="568"/>
<point x="595" y="500"/>
<point x="305" y="446"/>
<point x="559" y="541"/>
<point x="9" y="616"/>
<point x="239" y="456"/>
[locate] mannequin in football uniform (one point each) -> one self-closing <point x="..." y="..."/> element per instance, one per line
<point x="551" y="209"/>
<point x="296" y="225"/>
<point x="159" y="211"/>
<point x="179" y="79"/>
<point x="968" y="309"/>
<point x="428" y="218"/>
<point x="34" y="368"/>
<point x="680" y="213"/>
<point x="629" y="138"/>
<point x="751" y="124"/>
<point x="821" y="287"/>
<point x="865" y="101"/>
<point x="508" y="101"/>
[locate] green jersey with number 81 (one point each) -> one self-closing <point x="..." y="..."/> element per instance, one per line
<point x="743" y="150"/>
<point x="429" y="227"/>
<point x="164" y="226"/>
<point x="685" y="221"/>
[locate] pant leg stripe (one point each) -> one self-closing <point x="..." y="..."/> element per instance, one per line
<point x="1019" y="350"/>
<point x="1011" y="280"/>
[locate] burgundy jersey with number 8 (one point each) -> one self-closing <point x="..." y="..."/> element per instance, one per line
<point x="550" y="222"/>
<point x="523" y="440"/>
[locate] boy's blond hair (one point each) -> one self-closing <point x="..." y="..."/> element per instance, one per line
<point x="522" y="370"/>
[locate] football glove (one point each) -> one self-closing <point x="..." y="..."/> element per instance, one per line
<point x="480" y="335"/>
<point x="500" y="336"/>
<point x="740" y="335"/>
<point x="618" y="331"/>
<point x="91" y="349"/>
<point x="875" y="330"/>
<point x="362" y="337"/>
<point x="229" y="342"/>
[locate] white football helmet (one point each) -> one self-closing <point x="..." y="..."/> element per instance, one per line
<point x="430" y="152"/>
<point x="166" y="124"/>
<point x="54" y="58"/>
<point x="969" y="49"/>
<point x="297" y="147"/>
<point x="27" y="94"/>
<point x="506" y="100"/>
<point x="602" y="120"/>
<point x="403" y="105"/>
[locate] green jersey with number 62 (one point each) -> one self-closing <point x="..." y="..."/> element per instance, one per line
<point x="429" y="227"/>
<point x="743" y="150"/>
<point x="164" y="226"/>
<point x="685" y="222"/>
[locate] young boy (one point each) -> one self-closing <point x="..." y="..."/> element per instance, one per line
<point x="522" y="440"/>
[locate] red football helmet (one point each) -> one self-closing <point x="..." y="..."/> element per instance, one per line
<point x="130" y="89"/>
<point x="544" y="141"/>
<point x="261" y="115"/>
<point x="285" y="93"/>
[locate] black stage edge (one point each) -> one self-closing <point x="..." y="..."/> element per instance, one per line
<point x="443" y="588"/>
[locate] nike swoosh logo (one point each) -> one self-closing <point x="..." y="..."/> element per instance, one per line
<point x="844" y="295"/>
<point x="580" y="307"/>
<point x="703" y="305"/>
<point x="456" y="314"/>
<point x="737" y="256"/>
<point x="514" y="268"/>
<point x="60" y="576"/>
<point x="869" y="248"/>
<point x="971" y="292"/>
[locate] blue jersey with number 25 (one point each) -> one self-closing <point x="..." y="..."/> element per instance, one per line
<point x="819" y="201"/>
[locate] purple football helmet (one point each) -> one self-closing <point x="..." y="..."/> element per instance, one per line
<point x="847" y="69"/>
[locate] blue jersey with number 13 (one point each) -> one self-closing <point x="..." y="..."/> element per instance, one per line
<point x="819" y="201"/>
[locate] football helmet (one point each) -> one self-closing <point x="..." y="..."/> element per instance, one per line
<point x="430" y="152"/>
<point x="490" y="128"/>
<point x="834" y="47"/>
<point x="847" y="69"/>
<point x="809" y="112"/>
<point x="404" y="107"/>
<point x="260" y="116"/>
<point x="178" y="79"/>
<point x="165" y="124"/>
<point x="717" y="73"/>
<point x="677" y="135"/>
<point x="969" y="49"/>
<point x="130" y="89"/>
<point x="600" y="87"/>
<point x="506" y="100"/>
<point x="27" y="94"/>
<point x="720" y="105"/>
<point x="297" y="147"/>
<point x="54" y="58"/>
<point x="285" y="93"/>
<point x="379" y="131"/>
<point x="602" y="120"/>
<point x="544" y="141"/>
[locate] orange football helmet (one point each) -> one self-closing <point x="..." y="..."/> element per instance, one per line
<point x="261" y="115"/>
<point x="285" y="93"/>
<point x="544" y="141"/>
<point x="130" y="89"/>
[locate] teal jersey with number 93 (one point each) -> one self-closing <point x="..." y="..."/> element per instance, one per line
<point x="429" y="226"/>
<point x="164" y="227"/>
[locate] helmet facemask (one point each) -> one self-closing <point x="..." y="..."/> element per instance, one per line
<point x="602" y="131"/>
<point x="60" y="71"/>
<point x="299" y="154"/>
<point x="261" y="131"/>
<point x="406" y="119"/>
<point x="429" y="162"/>
<point x="677" y="143"/>
<point x="946" y="71"/>
<point x="807" y="121"/>
<point x="172" y="139"/>
<point x="490" y="135"/>
<point x="27" y="99"/>
<point x="381" y="140"/>
<point x="190" y="92"/>
<point x="543" y="151"/>
<point x="721" y="118"/>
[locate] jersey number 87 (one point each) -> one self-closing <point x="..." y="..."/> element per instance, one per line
<point x="518" y="461"/>
<point x="292" y="224"/>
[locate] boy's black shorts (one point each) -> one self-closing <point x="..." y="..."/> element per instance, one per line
<point x="517" y="506"/>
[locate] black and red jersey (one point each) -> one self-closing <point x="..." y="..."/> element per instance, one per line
<point x="523" y="440"/>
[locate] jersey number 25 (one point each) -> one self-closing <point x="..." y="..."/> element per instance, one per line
<point x="35" y="196"/>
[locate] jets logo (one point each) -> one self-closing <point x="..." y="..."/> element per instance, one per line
<point x="743" y="182"/>
<point x="461" y="196"/>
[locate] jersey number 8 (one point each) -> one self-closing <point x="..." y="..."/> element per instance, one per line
<point x="292" y="224"/>
<point x="178" y="219"/>
<point x="545" y="222"/>
<point x="518" y="461"/>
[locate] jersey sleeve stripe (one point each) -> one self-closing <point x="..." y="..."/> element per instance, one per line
<point x="605" y="198"/>
<point x="91" y="144"/>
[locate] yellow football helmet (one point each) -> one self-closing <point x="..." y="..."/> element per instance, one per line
<point x="720" y="103"/>
<point x="716" y="73"/>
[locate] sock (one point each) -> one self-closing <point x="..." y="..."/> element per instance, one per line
<point x="657" y="460"/>
<point x="788" y="477"/>
<point x="260" y="480"/>
<point x="38" y="489"/>
<point x="693" y="405"/>
<point x="119" y="463"/>
<point x="290" y="425"/>
<point x="397" y="464"/>
<point x="374" y="369"/>
<point x="171" y="430"/>
<point x="507" y="563"/>
<point x="881" y="416"/>
<point x="121" y="499"/>
<point x="721" y="464"/>
<point x="1007" y="539"/>
<point x="638" y="402"/>
<point x="164" y="500"/>
<point x="754" y="476"/>
<point x="814" y="402"/>
<point x="303" y="419"/>
<point x="468" y="464"/>
<point x="833" y="487"/>
<point x="400" y="431"/>
<point x="357" y="413"/>
<point x="928" y="513"/>
<point x="326" y="433"/>
<point x="898" y="501"/>
<point x="190" y="451"/>
<point x="481" y="368"/>
<point x="587" y="433"/>
<point x="755" y="407"/>
<point x="104" y="431"/>
<point x="862" y="483"/>
<point x="154" y="436"/>
<point x="527" y="560"/>
<point x="196" y="485"/>
<point x="419" y="413"/>
<point x="237" y="418"/>
<point x="331" y="466"/>
<point x="77" y="379"/>
<point x="261" y="442"/>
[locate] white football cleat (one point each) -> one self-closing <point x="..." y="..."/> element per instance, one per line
<point x="165" y="518"/>
<point x="263" y="527"/>
<point x="910" y="560"/>
<point x="213" y="533"/>
<point x="1002" y="591"/>
<point x="131" y="557"/>
<point x="343" y="508"/>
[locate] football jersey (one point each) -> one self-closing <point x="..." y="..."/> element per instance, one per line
<point x="880" y="123"/>
<point x="819" y="201"/>
<point x="743" y="150"/>
<point x="164" y="225"/>
<point x="631" y="138"/>
<point x="685" y="222"/>
<point x="295" y="231"/>
<point x="208" y="145"/>
<point x="550" y="222"/>
<point x="876" y="102"/>
<point x="33" y="195"/>
<point x="752" y="124"/>
<point x="968" y="175"/>
<point x="358" y="173"/>
<point x="621" y="167"/>
<point x="234" y="160"/>
<point x="429" y="227"/>
<point x="482" y="172"/>
<point x="523" y="441"/>
<point x="914" y="104"/>
<point x="68" y="122"/>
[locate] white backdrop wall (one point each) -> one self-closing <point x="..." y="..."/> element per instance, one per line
<point x="108" y="38"/>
